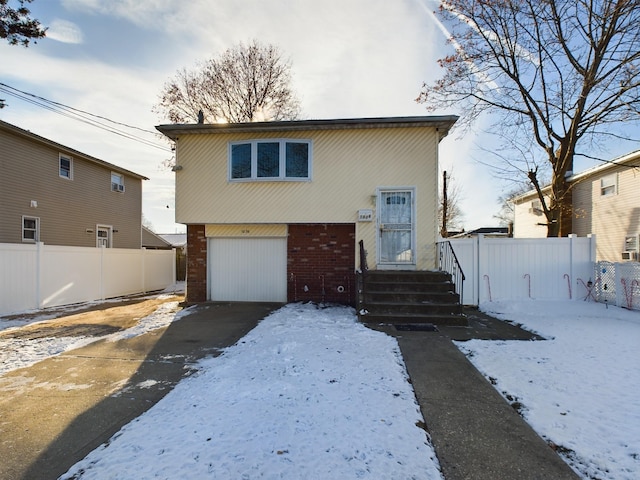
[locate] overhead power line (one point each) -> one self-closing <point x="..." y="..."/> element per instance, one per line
<point x="82" y="116"/>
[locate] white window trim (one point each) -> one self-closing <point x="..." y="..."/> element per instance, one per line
<point x="37" y="229"/>
<point x="283" y="160"/>
<point x="614" y="184"/>
<point x="117" y="186"/>
<point x="66" y="157"/>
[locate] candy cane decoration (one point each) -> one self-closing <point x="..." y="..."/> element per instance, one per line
<point x="527" y="276"/>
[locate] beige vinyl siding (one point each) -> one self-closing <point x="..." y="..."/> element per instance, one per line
<point x="582" y="208"/>
<point x="525" y="223"/>
<point x="347" y="167"/>
<point x="66" y="208"/>
<point x="616" y="216"/>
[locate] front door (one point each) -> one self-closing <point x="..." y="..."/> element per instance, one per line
<point x="396" y="228"/>
<point x="103" y="236"/>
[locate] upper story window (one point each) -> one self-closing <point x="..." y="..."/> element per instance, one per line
<point x="609" y="185"/>
<point x="65" y="167"/>
<point x="30" y="229"/>
<point x="117" y="182"/>
<point x="268" y="160"/>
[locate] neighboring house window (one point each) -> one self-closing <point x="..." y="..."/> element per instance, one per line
<point x="609" y="185"/>
<point x="265" y="160"/>
<point x="65" y="169"/>
<point x="30" y="229"/>
<point x="117" y="182"/>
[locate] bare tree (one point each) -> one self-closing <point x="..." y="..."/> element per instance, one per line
<point x="506" y="215"/>
<point x="450" y="215"/>
<point x="245" y="83"/>
<point x="560" y="74"/>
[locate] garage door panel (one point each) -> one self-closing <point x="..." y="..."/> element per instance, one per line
<point x="248" y="269"/>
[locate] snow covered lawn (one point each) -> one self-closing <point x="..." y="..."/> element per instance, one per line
<point x="581" y="388"/>
<point x="309" y="393"/>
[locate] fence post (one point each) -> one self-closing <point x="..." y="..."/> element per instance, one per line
<point x="592" y="247"/>
<point x="102" y="274"/>
<point x="481" y="256"/>
<point x="572" y="260"/>
<point x="144" y="276"/>
<point x="175" y="269"/>
<point x="39" y="268"/>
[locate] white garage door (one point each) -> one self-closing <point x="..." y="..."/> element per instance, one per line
<point x="248" y="269"/>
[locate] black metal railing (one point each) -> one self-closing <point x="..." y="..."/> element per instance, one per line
<point x="448" y="262"/>
<point x="360" y="306"/>
<point x="363" y="258"/>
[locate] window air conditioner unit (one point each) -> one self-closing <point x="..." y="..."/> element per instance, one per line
<point x="629" y="255"/>
<point x="535" y="211"/>
<point x="117" y="187"/>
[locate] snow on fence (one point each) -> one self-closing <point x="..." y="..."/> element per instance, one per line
<point x="499" y="268"/>
<point x="39" y="276"/>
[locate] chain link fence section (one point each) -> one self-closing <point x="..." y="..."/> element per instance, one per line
<point x="616" y="283"/>
<point x="605" y="282"/>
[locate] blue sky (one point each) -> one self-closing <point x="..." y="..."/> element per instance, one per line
<point x="350" y="58"/>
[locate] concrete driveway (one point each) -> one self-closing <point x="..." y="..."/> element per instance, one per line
<point x="53" y="413"/>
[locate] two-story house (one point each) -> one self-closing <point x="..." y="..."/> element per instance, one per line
<point x="57" y="195"/>
<point x="275" y="211"/>
<point x="605" y="202"/>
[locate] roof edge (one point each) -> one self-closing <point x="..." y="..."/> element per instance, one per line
<point x="444" y="122"/>
<point x="58" y="146"/>
<point x="619" y="161"/>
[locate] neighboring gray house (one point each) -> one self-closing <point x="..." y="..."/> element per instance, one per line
<point x="57" y="195"/>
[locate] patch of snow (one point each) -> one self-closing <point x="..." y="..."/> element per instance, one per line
<point x="309" y="393"/>
<point x="18" y="353"/>
<point x="163" y="316"/>
<point x="579" y="388"/>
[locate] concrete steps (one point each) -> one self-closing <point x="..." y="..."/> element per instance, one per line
<point x="409" y="297"/>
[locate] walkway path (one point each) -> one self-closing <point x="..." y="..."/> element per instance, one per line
<point x="477" y="435"/>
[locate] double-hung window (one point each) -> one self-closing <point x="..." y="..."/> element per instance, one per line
<point x="30" y="229"/>
<point x="270" y="160"/>
<point x="117" y="182"/>
<point x="609" y="185"/>
<point x="65" y="167"/>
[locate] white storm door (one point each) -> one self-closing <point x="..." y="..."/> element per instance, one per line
<point x="396" y="225"/>
<point x="103" y="236"/>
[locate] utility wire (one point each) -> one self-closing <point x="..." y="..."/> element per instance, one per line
<point x="80" y="115"/>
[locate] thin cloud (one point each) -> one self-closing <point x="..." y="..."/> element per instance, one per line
<point x="65" y="32"/>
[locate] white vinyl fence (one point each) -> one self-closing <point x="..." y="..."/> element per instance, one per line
<point x="40" y="276"/>
<point x="499" y="268"/>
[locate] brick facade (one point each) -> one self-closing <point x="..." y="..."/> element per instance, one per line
<point x="196" y="264"/>
<point x="321" y="263"/>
